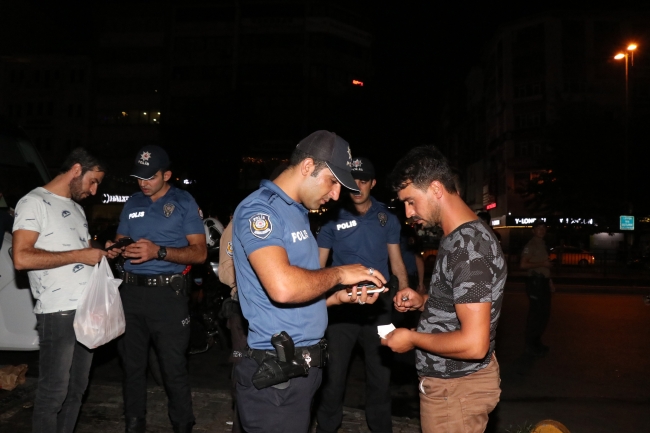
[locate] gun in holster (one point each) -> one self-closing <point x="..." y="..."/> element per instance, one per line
<point x="277" y="368"/>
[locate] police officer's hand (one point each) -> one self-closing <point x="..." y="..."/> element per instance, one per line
<point x="112" y="253"/>
<point x="399" y="340"/>
<point x="408" y="300"/>
<point x="353" y="274"/>
<point x="90" y="256"/>
<point x="141" y="251"/>
<point x="345" y="297"/>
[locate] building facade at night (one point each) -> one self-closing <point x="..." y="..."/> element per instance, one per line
<point x="531" y="74"/>
<point x="50" y="97"/>
<point x="261" y="73"/>
<point x="227" y="87"/>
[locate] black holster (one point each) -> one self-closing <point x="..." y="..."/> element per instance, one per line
<point x="272" y="372"/>
<point x="286" y="362"/>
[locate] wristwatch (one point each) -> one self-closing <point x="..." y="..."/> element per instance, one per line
<point x="162" y="253"/>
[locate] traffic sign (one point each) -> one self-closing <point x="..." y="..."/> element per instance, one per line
<point x="627" y="222"/>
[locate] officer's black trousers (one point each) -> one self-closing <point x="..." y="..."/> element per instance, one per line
<point x="272" y="410"/>
<point x="341" y="339"/>
<point x="160" y="316"/>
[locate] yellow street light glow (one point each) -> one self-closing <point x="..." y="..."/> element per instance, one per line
<point x="145" y="113"/>
<point x="619" y="56"/>
<point x="159" y="113"/>
<point x="631" y="47"/>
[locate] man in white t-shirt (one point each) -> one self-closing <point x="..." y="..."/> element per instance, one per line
<point x="51" y="241"/>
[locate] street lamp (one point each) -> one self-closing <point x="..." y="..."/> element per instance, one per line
<point x="627" y="54"/>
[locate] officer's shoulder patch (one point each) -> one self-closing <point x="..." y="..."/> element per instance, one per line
<point x="229" y="249"/>
<point x="261" y="226"/>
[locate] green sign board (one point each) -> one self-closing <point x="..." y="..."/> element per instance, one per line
<point x="627" y="222"/>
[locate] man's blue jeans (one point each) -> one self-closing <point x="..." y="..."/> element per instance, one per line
<point x="64" y="365"/>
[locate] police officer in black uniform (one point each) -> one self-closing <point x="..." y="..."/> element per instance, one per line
<point x="166" y="225"/>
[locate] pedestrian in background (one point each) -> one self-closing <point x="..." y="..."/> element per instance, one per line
<point x="166" y="224"/>
<point x="455" y="339"/>
<point x="534" y="258"/>
<point x="362" y="232"/>
<point x="281" y="286"/>
<point x="51" y="241"/>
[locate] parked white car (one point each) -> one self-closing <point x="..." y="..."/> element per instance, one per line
<point x="21" y="170"/>
<point x="17" y="318"/>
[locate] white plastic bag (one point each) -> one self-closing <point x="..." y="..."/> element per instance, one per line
<point x="100" y="317"/>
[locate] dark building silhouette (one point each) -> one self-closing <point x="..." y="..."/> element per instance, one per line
<point x="514" y="123"/>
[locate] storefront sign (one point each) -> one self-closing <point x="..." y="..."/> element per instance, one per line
<point x="528" y="221"/>
<point x="115" y="198"/>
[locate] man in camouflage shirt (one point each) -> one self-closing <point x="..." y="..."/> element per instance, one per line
<point x="454" y="342"/>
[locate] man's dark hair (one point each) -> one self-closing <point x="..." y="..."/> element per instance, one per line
<point x="298" y="156"/>
<point x="421" y="166"/>
<point x="85" y="159"/>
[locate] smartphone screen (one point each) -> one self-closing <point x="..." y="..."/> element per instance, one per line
<point x="370" y="288"/>
<point x="122" y="242"/>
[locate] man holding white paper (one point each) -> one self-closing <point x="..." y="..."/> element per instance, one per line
<point x="51" y="241"/>
<point x="454" y="341"/>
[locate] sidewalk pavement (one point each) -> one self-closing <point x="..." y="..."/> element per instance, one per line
<point x="102" y="412"/>
<point x="595" y="379"/>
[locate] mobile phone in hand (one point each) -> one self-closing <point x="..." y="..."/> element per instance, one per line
<point x="370" y="288"/>
<point x="122" y="242"/>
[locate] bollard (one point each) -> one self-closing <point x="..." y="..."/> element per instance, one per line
<point x="549" y="426"/>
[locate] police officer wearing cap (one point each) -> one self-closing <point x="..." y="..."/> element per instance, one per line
<point x="362" y="231"/>
<point x="165" y="223"/>
<point x="283" y="291"/>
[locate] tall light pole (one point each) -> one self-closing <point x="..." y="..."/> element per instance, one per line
<point x="628" y="55"/>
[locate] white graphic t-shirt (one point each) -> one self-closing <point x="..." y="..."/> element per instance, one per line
<point x="62" y="226"/>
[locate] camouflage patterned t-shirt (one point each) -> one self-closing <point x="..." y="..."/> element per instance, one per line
<point x="470" y="268"/>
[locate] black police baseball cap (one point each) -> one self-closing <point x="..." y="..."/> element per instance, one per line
<point x="335" y="151"/>
<point x="148" y="161"/>
<point x="362" y="169"/>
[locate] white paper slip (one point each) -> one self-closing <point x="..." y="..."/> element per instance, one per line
<point x="384" y="330"/>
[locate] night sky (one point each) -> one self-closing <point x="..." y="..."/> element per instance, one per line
<point x="420" y="49"/>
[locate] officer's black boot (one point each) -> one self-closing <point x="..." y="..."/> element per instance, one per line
<point x="135" y="425"/>
<point x="183" y="428"/>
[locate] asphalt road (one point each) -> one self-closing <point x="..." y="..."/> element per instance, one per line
<point x="595" y="378"/>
